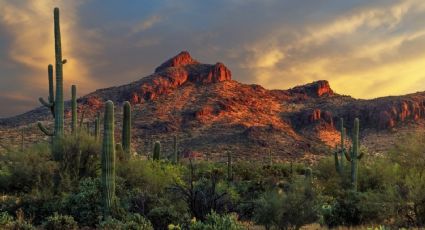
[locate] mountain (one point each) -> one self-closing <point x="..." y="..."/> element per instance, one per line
<point x="211" y="113"/>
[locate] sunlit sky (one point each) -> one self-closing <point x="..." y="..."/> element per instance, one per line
<point x="364" y="48"/>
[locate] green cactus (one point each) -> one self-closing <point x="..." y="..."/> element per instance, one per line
<point x="126" y="130"/>
<point x="175" y="151"/>
<point x="51" y="99"/>
<point x="339" y="160"/>
<point x="108" y="159"/>
<point x="22" y="139"/>
<point x="308" y="172"/>
<point x="308" y="182"/>
<point x="97" y="127"/>
<point x="229" y="166"/>
<point x="59" y="104"/>
<point x="56" y="103"/>
<point x="157" y="151"/>
<point x="354" y="154"/>
<point x="74" y="109"/>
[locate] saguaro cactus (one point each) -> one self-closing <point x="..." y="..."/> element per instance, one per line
<point x="308" y="182"/>
<point x="97" y="127"/>
<point x="56" y="104"/>
<point x="74" y="109"/>
<point x="59" y="105"/>
<point x="229" y="166"/>
<point x="22" y="139"/>
<point x="126" y="130"/>
<point x="354" y="154"/>
<point x="175" y="152"/>
<point x="108" y="159"/>
<point x="157" y="151"/>
<point x="339" y="160"/>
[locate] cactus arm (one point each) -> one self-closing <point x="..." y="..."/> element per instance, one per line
<point x="337" y="165"/>
<point x="45" y="130"/>
<point x="51" y="97"/>
<point x="45" y="103"/>
<point x="347" y="155"/>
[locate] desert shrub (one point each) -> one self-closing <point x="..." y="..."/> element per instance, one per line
<point x="57" y="221"/>
<point x="28" y="171"/>
<point x="161" y="217"/>
<point x="209" y="193"/>
<point x="131" y="222"/>
<point x="36" y="206"/>
<point x="409" y="156"/>
<point x="85" y="204"/>
<point x="285" y="209"/>
<point x="150" y="176"/>
<point x="78" y="157"/>
<point x="8" y="222"/>
<point x="248" y="191"/>
<point x="5" y="219"/>
<point x="214" y="221"/>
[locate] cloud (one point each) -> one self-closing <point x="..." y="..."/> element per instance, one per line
<point x="146" y="24"/>
<point x="364" y="48"/>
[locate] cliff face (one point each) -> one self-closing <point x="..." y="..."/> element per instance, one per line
<point x="212" y="113"/>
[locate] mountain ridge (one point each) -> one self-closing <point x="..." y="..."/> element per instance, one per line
<point x="211" y="112"/>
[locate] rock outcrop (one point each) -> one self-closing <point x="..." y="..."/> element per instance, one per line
<point x="315" y="89"/>
<point x="176" y="72"/>
<point x="181" y="59"/>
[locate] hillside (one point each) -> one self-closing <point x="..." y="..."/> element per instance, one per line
<point x="212" y="113"/>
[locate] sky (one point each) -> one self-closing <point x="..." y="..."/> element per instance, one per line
<point x="364" y="48"/>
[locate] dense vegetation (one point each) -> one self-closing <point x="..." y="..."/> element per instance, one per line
<point x="196" y="194"/>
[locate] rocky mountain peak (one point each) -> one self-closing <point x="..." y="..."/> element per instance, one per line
<point x="181" y="59"/>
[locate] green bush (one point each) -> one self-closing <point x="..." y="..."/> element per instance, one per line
<point x="161" y="217"/>
<point x="78" y="159"/>
<point x="28" y="171"/>
<point x="60" y="222"/>
<point x="214" y="221"/>
<point x="151" y="176"/>
<point x="5" y="219"/>
<point x="292" y="208"/>
<point x="85" y="204"/>
<point x="8" y="222"/>
<point x="131" y="222"/>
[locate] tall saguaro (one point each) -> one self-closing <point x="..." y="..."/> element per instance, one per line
<point x="108" y="159"/>
<point x="59" y="105"/>
<point x="55" y="103"/>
